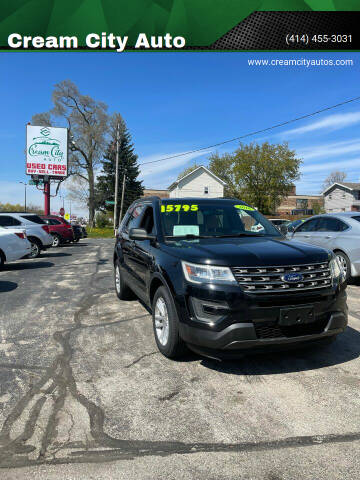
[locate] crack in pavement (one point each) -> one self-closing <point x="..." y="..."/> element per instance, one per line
<point x="58" y="384"/>
<point x="140" y="358"/>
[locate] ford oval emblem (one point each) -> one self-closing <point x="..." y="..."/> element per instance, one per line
<point x="292" y="277"/>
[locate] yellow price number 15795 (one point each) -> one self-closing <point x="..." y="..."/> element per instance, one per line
<point x="178" y="208"/>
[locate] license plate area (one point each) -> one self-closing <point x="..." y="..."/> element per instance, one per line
<point x="296" y="315"/>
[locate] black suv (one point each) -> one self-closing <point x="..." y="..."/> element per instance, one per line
<point x="221" y="279"/>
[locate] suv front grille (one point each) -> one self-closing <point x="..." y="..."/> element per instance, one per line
<point x="271" y="279"/>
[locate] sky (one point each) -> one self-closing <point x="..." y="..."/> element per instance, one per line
<point x="175" y="102"/>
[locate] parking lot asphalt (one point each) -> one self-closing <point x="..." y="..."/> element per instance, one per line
<point x="84" y="393"/>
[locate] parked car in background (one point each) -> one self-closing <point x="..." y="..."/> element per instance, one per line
<point x="292" y="225"/>
<point x="13" y="245"/>
<point x="281" y="224"/>
<point x="279" y="221"/>
<point x="78" y="233"/>
<point x="339" y="232"/>
<point x="61" y="230"/>
<point x="37" y="231"/>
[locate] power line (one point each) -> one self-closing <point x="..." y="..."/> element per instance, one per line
<point x="255" y="132"/>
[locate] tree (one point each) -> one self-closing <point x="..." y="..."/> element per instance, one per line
<point x="187" y="171"/>
<point x="334" y="177"/>
<point x="223" y="167"/>
<point x="88" y="123"/>
<point x="318" y="208"/>
<point x="128" y="166"/>
<point x="259" y="174"/>
<point x="17" y="207"/>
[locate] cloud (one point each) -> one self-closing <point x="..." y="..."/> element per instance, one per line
<point x="329" y="166"/>
<point x="153" y="173"/>
<point x="330" y="149"/>
<point x="331" y="122"/>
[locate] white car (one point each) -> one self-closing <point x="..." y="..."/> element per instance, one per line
<point x="37" y="230"/>
<point x="13" y="245"/>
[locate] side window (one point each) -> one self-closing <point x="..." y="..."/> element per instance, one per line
<point x="309" y="226"/>
<point x="53" y="221"/>
<point x="134" y="217"/>
<point x="34" y="219"/>
<point x="7" y="221"/>
<point x="147" y="221"/>
<point x="328" y="224"/>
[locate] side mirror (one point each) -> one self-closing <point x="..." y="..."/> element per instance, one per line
<point x="140" y="234"/>
<point x="291" y="229"/>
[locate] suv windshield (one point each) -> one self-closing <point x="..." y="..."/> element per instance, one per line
<point x="213" y="219"/>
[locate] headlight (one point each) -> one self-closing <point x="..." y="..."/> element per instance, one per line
<point x="336" y="270"/>
<point x="207" y="274"/>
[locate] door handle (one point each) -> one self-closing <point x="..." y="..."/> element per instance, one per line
<point x="328" y="236"/>
<point x="307" y="236"/>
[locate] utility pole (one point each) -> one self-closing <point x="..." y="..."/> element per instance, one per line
<point x="24" y="183"/>
<point x="116" y="178"/>
<point x="122" y="196"/>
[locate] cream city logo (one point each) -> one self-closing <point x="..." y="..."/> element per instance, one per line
<point x="46" y="147"/>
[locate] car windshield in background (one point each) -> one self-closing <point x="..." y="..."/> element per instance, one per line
<point x="356" y="217"/>
<point x="33" y="218"/>
<point x="205" y="220"/>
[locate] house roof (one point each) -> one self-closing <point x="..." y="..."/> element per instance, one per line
<point x="176" y="183"/>
<point x="348" y="185"/>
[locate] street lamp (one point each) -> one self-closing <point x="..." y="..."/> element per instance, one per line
<point x="24" y="183"/>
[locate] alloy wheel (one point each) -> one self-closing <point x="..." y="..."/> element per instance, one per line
<point x="161" y="321"/>
<point x="343" y="263"/>
<point x="34" y="252"/>
<point x="117" y="278"/>
<point x="56" y="241"/>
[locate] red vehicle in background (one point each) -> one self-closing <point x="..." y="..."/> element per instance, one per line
<point x="59" y="228"/>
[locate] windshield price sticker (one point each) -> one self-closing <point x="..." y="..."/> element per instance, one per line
<point x="179" y="207"/>
<point x="244" y="207"/>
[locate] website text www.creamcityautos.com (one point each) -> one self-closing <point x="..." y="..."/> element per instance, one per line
<point x="301" y="62"/>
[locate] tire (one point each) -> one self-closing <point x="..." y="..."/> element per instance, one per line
<point x="122" y="291"/>
<point x="35" y="248"/>
<point x="344" y="262"/>
<point x="56" y="240"/>
<point x="76" y="240"/>
<point x="166" y="325"/>
<point x="2" y="260"/>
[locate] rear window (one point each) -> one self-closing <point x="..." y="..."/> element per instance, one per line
<point x="357" y="217"/>
<point x="34" y="218"/>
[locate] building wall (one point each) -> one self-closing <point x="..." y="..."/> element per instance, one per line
<point x="290" y="203"/>
<point x="193" y="186"/>
<point x="339" y="199"/>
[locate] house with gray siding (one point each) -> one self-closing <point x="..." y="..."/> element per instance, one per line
<point x="342" y="197"/>
<point x="201" y="182"/>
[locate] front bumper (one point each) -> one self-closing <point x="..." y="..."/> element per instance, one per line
<point x="234" y="321"/>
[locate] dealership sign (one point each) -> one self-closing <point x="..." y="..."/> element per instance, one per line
<point x="47" y="151"/>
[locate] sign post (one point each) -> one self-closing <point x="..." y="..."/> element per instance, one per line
<point x="46" y="156"/>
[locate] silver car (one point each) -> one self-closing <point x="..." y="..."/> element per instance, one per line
<point x="36" y="229"/>
<point x="339" y="232"/>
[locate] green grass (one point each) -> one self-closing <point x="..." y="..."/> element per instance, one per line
<point x="106" y="232"/>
